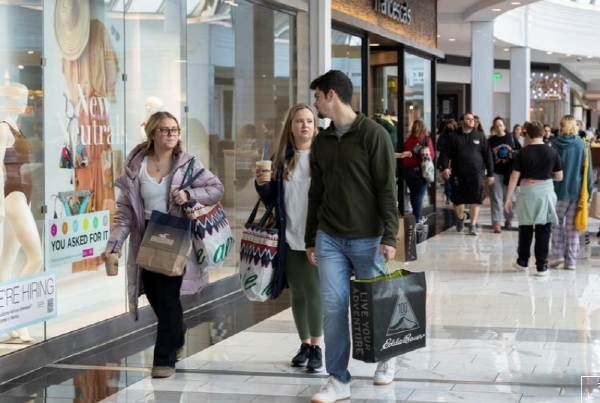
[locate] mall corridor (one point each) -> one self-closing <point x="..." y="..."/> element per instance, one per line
<point x="493" y="335"/>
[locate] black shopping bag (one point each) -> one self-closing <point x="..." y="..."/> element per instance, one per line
<point x="388" y="315"/>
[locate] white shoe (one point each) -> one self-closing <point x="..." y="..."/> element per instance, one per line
<point x="384" y="374"/>
<point x="518" y="267"/>
<point x="542" y="273"/>
<point x="570" y="267"/>
<point x="332" y="391"/>
<point x="554" y="263"/>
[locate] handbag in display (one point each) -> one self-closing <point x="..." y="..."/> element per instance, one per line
<point x="212" y="235"/>
<point x="407" y="239"/>
<point x="388" y="315"/>
<point x="258" y="253"/>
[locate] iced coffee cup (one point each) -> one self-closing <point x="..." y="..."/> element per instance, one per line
<point x="112" y="264"/>
<point x="266" y="168"/>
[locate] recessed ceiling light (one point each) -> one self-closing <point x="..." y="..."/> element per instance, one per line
<point x="590" y="57"/>
<point x="439" y="36"/>
<point x="30" y="52"/>
<point x="548" y="53"/>
<point x="515" y="3"/>
<point x="506" y="49"/>
<point x="568" y="54"/>
<point x="496" y="9"/>
<point x="20" y="67"/>
<point x="374" y="44"/>
<point x="452" y="40"/>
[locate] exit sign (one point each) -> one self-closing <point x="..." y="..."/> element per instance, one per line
<point x="497" y="76"/>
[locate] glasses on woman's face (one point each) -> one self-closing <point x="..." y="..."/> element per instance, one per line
<point x="165" y="131"/>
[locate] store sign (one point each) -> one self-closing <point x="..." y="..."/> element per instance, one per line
<point x="75" y="238"/>
<point x="27" y="300"/>
<point x="394" y="10"/>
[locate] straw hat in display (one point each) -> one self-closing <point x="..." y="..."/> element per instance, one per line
<point x="72" y="27"/>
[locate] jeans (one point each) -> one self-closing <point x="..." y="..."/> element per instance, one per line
<point x="417" y="186"/>
<point x="498" y="191"/>
<point x="163" y="294"/>
<point x="447" y="188"/>
<point x="338" y="259"/>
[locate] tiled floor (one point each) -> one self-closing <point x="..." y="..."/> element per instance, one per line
<point x="493" y="335"/>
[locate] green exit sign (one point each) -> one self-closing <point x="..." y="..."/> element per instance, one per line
<point x="497" y="76"/>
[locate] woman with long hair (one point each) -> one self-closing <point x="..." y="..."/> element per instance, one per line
<point x="288" y="192"/>
<point x="417" y="184"/>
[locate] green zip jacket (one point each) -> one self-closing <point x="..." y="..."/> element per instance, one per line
<point x="353" y="185"/>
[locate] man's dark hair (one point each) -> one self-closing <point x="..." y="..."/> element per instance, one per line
<point x="534" y="129"/>
<point x="548" y="126"/>
<point x="338" y="82"/>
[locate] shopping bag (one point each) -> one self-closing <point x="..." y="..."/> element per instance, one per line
<point x="212" y="238"/>
<point x="406" y="250"/>
<point x="427" y="169"/>
<point x="595" y="205"/>
<point x="581" y="213"/>
<point x="258" y="253"/>
<point x="166" y="245"/>
<point x="388" y="315"/>
<point x="585" y="246"/>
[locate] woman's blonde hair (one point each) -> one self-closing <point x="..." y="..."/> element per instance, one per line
<point x="152" y="126"/>
<point x="418" y="127"/>
<point x="286" y="146"/>
<point x="568" y="126"/>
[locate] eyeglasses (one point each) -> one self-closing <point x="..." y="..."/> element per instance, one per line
<point x="165" y="131"/>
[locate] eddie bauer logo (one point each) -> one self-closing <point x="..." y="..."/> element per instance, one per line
<point x="403" y="320"/>
<point x="162" y="239"/>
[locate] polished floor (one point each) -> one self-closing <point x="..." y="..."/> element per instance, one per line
<point x="493" y="335"/>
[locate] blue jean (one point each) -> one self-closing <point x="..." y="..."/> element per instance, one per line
<point x="447" y="188"/>
<point x="338" y="259"/>
<point x="417" y="186"/>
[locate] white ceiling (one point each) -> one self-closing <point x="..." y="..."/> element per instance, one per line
<point x="454" y="17"/>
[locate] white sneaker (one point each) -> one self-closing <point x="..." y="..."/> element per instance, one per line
<point x="570" y="266"/>
<point x="384" y="374"/>
<point x="332" y="391"/>
<point x="554" y="263"/>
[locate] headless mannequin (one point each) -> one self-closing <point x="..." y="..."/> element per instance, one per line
<point x="15" y="214"/>
<point x="152" y="105"/>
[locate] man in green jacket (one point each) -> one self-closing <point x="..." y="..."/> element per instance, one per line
<point x="352" y="222"/>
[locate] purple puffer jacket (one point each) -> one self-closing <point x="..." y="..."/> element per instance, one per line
<point x="129" y="219"/>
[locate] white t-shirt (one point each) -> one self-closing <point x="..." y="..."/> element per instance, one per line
<point x="296" y="202"/>
<point x="154" y="195"/>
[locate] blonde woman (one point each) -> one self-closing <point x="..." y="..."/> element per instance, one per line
<point x="288" y="192"/>
<point x="571" y="149"/>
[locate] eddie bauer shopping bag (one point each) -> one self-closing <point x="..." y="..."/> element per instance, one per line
<point x="258" y="253"/>
<point x="388" y="315"/>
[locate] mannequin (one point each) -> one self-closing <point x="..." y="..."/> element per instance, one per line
<point x="20" y="229"/>
<point x="152" y="105"/>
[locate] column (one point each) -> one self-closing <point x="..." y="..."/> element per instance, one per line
<point x="320" y="37"/>
<point x="482" y="71"/>
<point x="520" y="93"/>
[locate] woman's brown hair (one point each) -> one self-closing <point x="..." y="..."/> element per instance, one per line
<point x="417" y="128"/>
<point x="286" y="145"/>
<point x="152" y="126"/>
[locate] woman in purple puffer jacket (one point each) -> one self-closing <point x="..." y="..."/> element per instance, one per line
<point x="154" y="170"/>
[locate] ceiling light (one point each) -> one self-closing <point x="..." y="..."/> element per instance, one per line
<point x="20" y="67"/>
<point x="496" y="9"/>
<point x="452" y="40"/>
<point x="568" y="54"/>
<point x="374" y="44"/>
<point x="515" y="3"/>
<point x="439" y="36"/>
<point x="590" y="57"/>
<point x="30" y="52"/>
<point x="506" y="49"/>
<point x="548" y="53"/>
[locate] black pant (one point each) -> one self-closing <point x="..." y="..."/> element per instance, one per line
<point x="163" y="294"/>
<point x="542" y="242"/>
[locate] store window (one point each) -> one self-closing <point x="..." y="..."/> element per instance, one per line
<point x="346" y="56"/>
<point x="417" y="105"/>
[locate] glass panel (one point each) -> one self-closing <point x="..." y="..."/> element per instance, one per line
<point x="144" y="6"/>
<point x="22" y="151"/>
<point x="239" y="58"/>
<point x="417" y="104"/>
<point x="84" y="118"/>
<point x="346" y="56"/>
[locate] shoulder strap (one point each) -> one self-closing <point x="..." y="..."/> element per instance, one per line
<point x="265" y="217"/>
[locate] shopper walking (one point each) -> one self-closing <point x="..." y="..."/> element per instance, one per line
<point x="288" y="192"/>
<point x="154" y="171"/>
<point x="469" y="154"/>
<point x="352" y="221"/>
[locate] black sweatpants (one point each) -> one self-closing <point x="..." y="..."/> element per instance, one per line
<point x="163" y="294"/>
<point x="542" y="243"/>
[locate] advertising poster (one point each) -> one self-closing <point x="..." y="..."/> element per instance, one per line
<point x="76" y="238"/>
<point x="26" y="301"/>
